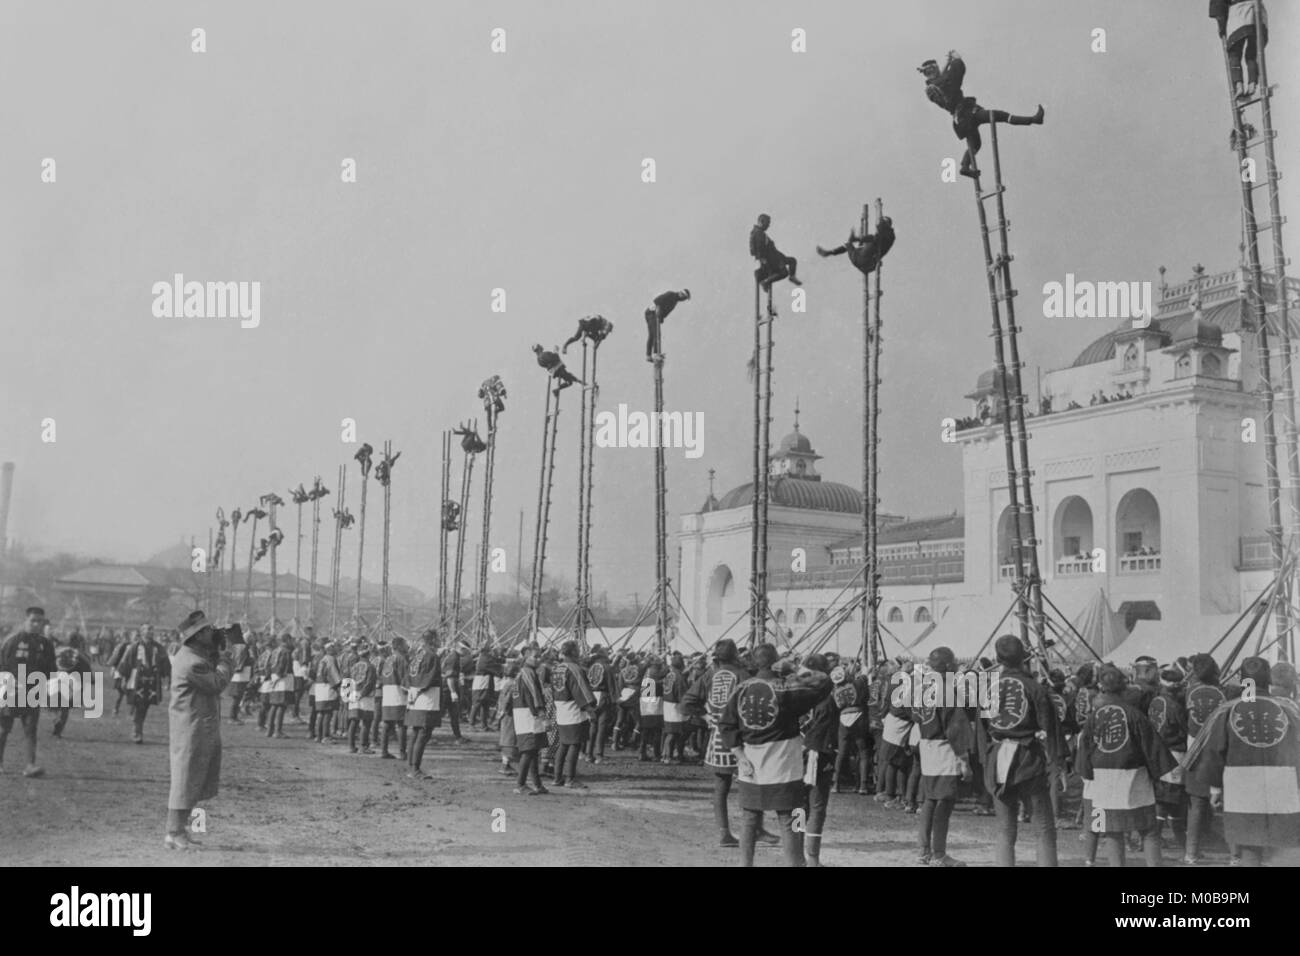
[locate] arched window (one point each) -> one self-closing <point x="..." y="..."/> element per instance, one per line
<point x="1072" y="536"/>
<point x="799" y="617"/>
<point x="1211" y="366"/>
<point x="1131" y="356"/>
<point x="1183" y="367"/>
<point x="1137" y="532"/>
<point x="922" y="615"/>
<point x="895" y="616"/>
<point x="821" y="616"/>
<point x="780" y="617"/>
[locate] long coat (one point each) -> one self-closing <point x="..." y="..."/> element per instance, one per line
<point x="195" y="725"/>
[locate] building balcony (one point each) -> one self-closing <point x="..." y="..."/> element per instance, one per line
<point x="1254" y="554"/>
<point x="1139" y="564"/>
<point x="1072" y="567"/>
<point x="1139" y="375"/>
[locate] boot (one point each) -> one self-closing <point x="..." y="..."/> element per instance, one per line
<point x="726" y="839"/>
<point x="1035" y="120"/>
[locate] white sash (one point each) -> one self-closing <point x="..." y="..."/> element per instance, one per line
<point x="526" y="723"/>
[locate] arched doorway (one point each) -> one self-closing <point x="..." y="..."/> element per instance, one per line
<point x="721" y="587"/>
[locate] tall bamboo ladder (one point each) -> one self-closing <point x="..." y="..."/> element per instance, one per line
<point x="1244" y="140"/>
<point x="1007" y="367"/>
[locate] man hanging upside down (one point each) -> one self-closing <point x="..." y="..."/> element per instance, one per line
<point x="594" y="328"/>
<point x="773" y="264"/>
<point x="552" y="363"/>
<point x="664" y="303"/>
<point x="867" y="251"/>
<point x="943" y="87"/>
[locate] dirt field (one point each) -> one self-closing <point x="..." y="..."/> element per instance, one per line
<point x="294" y="802"/>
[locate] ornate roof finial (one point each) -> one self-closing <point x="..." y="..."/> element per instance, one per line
<point x="712" y="472"/>
<point x="796" y="413"/>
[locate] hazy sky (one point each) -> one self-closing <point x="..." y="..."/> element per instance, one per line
<point x="522" y="171"/>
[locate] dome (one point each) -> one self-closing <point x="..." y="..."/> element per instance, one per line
<point x="787" y="492"/>
<point x="1227" y="316"/>
<point x="988" y="383"/>
<point x="796" y="441"/>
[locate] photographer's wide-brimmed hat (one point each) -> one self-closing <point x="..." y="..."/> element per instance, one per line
<point x="193" y="623"/>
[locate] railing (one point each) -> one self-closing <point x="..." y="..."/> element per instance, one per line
<point x="1139" y="564"/>
<point x="1066" y="567"/>
<point x="891" y="572"/>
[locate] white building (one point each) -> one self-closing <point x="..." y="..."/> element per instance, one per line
<point x="1148" y="484"/>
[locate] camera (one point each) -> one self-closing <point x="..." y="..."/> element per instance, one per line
<point x="223" y="637"/>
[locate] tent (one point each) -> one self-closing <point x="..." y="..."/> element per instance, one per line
<point x="1165" y="642"/>
<point x="1101" y="627"/>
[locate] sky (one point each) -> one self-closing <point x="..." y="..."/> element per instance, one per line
<point x="522" y="171"/>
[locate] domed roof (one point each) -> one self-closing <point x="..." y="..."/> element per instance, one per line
<point x="1227" y="316"/>
<point x="789" y="492"/>
<point x="989" y="381"/>
<point x="796" y="441"/>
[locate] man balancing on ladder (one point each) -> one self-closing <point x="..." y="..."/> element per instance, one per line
<point x="555" y="367"/>
<point x="594" y="328"/>
<point x="943" y="87"/>
<point x="867" y="251"/>
<point x="664" y="303"/>
<point x="774" y="265"/>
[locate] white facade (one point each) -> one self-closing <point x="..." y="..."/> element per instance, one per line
<point x="1156" y="496"/>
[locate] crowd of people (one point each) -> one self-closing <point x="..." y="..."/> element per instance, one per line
<point x="1138" y="758"/>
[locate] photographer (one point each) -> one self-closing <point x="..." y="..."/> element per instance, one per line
<point x="200" y="672"/>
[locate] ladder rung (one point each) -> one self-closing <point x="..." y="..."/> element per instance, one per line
<point x="996" y="191"/>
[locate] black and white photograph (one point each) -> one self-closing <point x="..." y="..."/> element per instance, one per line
<point x="651" y="434"/>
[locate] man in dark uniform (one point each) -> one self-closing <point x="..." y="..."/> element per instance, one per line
<point x="1019" y="747"/>
<point x="853" y="734"/>
<point x="947" y="739"/>
<point x="555" y="368"/>
<point x="600" y="676"/>
<point x="450" y="694"/>
<point x="147" y="665"/>
<point x="760" y="725"/>
<point x="774" y="265"/>
<point x="1236" y="20"/>
<point x="866" y="252"/>
<point x="424" y="710"/>
<point x="943" y="88"/>
<point x="74" y="668"/>
<point x="664" y="303"/>
<point x="25" y="653"/>
<point x="574" y="702"/>
<point x="819" y="740"/>
<point x="707" y="698"/>
<point x="594" y="328"/>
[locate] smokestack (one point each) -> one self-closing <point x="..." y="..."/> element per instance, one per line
<point x="6" y="492"/>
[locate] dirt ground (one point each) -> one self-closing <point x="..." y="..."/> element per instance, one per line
<point x="293" y="802"/>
